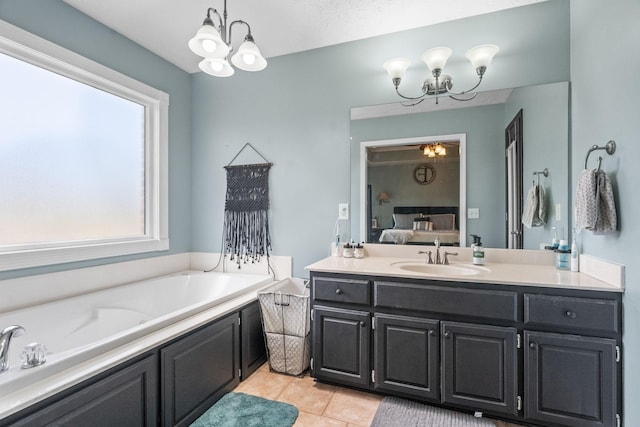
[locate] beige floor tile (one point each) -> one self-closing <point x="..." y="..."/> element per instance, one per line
<point x="352" y="406"/>
<point x="307" y="395"/>
<point x="306" y="419"/>
<point x="264" y="384"/>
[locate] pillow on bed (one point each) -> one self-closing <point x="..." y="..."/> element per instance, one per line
<point x="403" y="221"/>
<point x="422" y="224"/>
<point x="443" y="221"/>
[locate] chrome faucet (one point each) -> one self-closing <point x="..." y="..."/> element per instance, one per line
<point x="437" y="243"/>
<point x="5" y="339"/>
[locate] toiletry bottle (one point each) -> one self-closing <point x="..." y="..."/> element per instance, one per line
<point x="478" y="251"/>
<point x="555" y="242"/>
<point x="358" y="251"/>
<point x="575" y="254"/>
<point x="563" y="254"/>
<point x="347" y="251"/>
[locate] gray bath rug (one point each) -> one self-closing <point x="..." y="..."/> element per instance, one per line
<point x="396" y="412"/>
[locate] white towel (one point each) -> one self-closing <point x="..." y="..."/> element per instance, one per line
<point x="595" y="207"/>
<point x="534" y="213"/>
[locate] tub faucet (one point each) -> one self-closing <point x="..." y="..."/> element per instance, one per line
<point x="5" y="339"/>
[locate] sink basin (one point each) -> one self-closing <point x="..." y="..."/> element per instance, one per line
<point x="440" y="270"/>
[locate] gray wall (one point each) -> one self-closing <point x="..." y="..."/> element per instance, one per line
<point x="604" y="41"/>
<point x="296" y="113"/>
<point x="65" y="26"/>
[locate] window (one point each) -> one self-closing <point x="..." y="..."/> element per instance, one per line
<point x="82" y="157"/>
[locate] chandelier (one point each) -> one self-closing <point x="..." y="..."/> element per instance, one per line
<point x="441" y="84"/>
<point x="214" y="45"/>
<point x="432" y="150"/>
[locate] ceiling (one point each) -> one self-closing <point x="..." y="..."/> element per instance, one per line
<point x="279" y="27"/>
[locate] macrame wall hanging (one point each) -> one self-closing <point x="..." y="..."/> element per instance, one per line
<point x="246" y="223"/>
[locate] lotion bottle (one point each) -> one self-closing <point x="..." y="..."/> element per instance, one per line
<point x="575" y="254"/>
<point x="478" y="251"/>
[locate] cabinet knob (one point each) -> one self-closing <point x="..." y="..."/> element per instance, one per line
<point x="570" y="314"/>
<point x="363" y="324"/>
<point x="339" y="291"/>
<point x="532" y="346"/>
<point x="447" y="334"/>
<point x="432" y="332"/>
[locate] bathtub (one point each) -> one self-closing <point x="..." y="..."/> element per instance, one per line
<point x="135" y="317"/>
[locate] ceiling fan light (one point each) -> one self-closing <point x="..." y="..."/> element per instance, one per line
<point x="208" y="43"/>
<point x="481" y="56"/>
<point x="396" y="67"/>
<point x="218" y="67"/>
<point x="248" y="57"/>
<point x="436" y="58"/>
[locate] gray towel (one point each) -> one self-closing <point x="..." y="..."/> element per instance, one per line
<point x="595" y="207"/>
<point x="534" y="213"/>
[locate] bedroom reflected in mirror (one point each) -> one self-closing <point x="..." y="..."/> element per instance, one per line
<point x="423" y="175"/>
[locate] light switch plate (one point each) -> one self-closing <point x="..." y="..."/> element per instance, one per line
<point x="473" y="213"/>
<point x="558" y="211"/>
<point x="343" y="211"/>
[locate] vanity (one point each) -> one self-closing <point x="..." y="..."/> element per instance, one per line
<point x="521" y="342"/>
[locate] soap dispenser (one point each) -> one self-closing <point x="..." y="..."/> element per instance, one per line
<point x="478" y="250"/>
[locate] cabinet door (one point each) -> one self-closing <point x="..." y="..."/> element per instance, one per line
<point x="407" y="356"/>
<point x="198" y="370"/>
<point x="341" y="340"/>
<point x="570" y="379"/>
<point x="253" y="350"/>
<point x="479" y="367"/>
<point x="125" y="398"/>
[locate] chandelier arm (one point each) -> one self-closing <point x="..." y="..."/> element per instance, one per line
<point x="449" y="86"/>
<point x="464" y="99"/>
<point x="239" y="21"/>
<point x="410" y="98"/>
<point x="411" y="104"/>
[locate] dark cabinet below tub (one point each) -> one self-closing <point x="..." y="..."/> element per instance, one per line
<point x="252" y="349"/>
<point x="198" y="370"/>
<point x="124" y="398"/>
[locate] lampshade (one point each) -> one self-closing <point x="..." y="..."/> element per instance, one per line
<point x="481" y="56"/>
<point x="383" y="197"/>
<point x="396" y="67"/>
<point x="248" y="57"/>
<point x="436" y="58"/>
<point x="208" y="43"/>
<point x="218" y="67"/>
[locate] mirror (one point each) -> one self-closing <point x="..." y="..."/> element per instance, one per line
<point x="482" y="185"/>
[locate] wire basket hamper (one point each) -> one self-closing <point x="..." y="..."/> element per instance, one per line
<point x="285" y="312"/>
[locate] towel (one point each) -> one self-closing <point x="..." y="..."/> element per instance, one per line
<point x="534" y="213"/>
<point x="595" y="207"/>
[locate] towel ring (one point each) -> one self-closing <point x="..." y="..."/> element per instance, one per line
<point x="609" y="148"/>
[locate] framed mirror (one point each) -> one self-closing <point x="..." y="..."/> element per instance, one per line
<point x="483" y="177"/>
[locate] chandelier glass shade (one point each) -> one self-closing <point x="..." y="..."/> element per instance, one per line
<point x="213" y="44"/>
<point x="433" y="150"/>
<point x="441" y="84"/>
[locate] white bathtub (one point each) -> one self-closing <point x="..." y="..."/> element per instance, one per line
<point x="77" y="329"/>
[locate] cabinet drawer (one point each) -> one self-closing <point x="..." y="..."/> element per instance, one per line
<point x="583" y="313"/>
<point x="341" y="290"/>
<point x="501" y="305"/>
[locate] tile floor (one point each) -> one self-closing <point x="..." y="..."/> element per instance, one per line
<point x="319" y="405"/>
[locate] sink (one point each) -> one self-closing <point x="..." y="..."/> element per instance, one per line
<point x="439" y="269"/>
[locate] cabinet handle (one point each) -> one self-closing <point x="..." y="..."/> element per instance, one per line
<point x="447" y="334"/>
<point x="570" y="314"/>
<point x="363" y="324"/>
<point x="339" y="291"/>
<point x="532" y="346"/>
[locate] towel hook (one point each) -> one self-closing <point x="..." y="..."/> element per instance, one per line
<point x="544" y="172"/>
<point x="609" y="147"/>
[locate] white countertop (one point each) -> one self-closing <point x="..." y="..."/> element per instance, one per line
<point x="498" y="273"/>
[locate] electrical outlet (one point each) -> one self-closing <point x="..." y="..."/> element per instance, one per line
<point x="343" y="211"/>
<point x="473" y="213"/>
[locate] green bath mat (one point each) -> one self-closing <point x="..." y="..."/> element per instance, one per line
<point x="244" y="410"/>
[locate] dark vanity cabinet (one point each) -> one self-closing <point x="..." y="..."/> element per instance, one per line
<point x="534" y="355"/>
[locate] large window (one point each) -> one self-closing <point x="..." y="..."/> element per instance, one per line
<point x="82" y="157"/>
